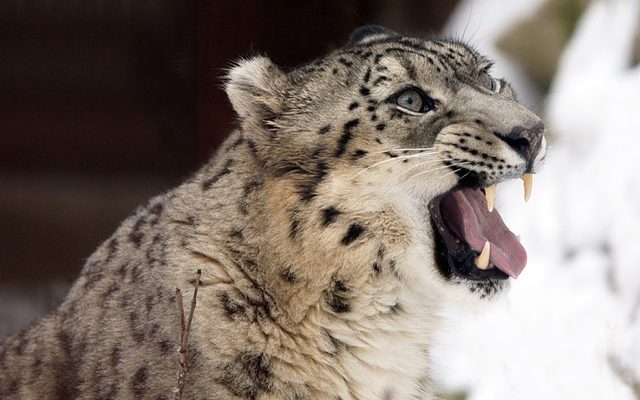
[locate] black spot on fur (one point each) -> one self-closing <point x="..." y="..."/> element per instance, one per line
<point x="237" y="143"/>
<point x="135" y="273"/>
<point x="396" y="308"/>
<point x="336" y="296"/>
<point x="376" y="268"/>
<point x="324" y="129"/>
<point x="394" y="270"/>
<point x="116" y="354"/>
<point x="247" y="375"/>
<point x="353" y="233"/>
<point x="136" y="236"/>
<point x="346" y="136"/>
<point x="37" y="366"/>
<point x="293" y="228"/>
<point x="345" y="62"/>
<point x="122" y="271"/>
<point x="247" y="190"/>
<point x="149" y="302"/>
<point x="381" y="126"/>
<point x="411" y="71"/>
<point x="288" y="275"/>
<point x="165" y="346"/>
<point x="253" y="148"/>
<point x="359" y="154"/>
<point x="336" y="345"/>
<point x="379" y="80"/>
<point x="329" y="215"/>
<point x="226" y="169"/>
<point x="134" y="326"/>
<point x="308" y="188"/>
<point x="153" y="331"/>
<point x="364" y="91"/>
<point x="112" y="248"/>
<point x="367" y="75"/>
<point x="353" y="105"/>
<point x="91" y="280"/>
<point x="232" y="308"/>
<point x="156" y="209"/>
<point x="139" y="382"/>
<point x="391" y="154"/>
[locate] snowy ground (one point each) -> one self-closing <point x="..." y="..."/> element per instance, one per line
<point x="570" y="327"/>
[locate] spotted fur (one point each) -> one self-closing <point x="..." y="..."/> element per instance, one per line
<point x="311" y="228"/>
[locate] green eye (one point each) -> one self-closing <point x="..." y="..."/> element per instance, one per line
<point x="411" y="100"/>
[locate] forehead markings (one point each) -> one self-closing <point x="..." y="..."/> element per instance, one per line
<point x="443" y="58"/>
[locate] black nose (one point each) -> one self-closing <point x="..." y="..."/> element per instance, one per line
<point x="525" y="142"/>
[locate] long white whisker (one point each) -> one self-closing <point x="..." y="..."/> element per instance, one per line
<point x="438" y="159"/>
<point x="399" y="158"/>
<point x="462" y="164"/>
<point x="453" y="172"/>
<point x="420" y="149"/>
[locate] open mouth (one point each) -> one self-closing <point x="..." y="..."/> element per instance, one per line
<point x="472" y="241"/>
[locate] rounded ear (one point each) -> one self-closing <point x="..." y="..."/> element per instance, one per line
<point x="369" y="33"/>
<point x="256" y="87"/>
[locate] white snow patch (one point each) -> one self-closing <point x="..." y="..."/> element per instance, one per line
<point x="575" y="310"/>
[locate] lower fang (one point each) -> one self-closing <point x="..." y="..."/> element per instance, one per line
<point x="482" y="261"/>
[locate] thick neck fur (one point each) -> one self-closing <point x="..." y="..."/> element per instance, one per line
<point x="324" y="264"/>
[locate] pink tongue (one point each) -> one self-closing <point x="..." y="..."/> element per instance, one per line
<point x="465" y="213"/>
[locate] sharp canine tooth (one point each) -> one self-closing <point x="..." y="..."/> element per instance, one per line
<point x="490" y="194"/>
<point x="528" y="185"/>
<point x="482" y="261"/>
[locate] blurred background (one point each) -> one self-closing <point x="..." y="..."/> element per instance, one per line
<point x="104" y="103"/>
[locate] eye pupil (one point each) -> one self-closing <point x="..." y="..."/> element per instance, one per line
<point x="411" y="100"/>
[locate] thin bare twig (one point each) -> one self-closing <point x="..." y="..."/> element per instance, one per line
<point x="185" y="329"/>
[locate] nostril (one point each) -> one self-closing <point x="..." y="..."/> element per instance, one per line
<point x="526" y="142"/>
<point x="521" y="145"/>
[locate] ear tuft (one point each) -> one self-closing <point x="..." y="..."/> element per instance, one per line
<point x="255" y="87"/>
<point x="369" y="33"/>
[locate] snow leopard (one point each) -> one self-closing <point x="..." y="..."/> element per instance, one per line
<point x="354" y="200"/>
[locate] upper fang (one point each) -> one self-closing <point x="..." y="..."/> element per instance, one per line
<point x="528" y="185"/>
<point x="490" y="194"/>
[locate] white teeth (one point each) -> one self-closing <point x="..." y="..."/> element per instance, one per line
<point x="482" y="261"/>
<point x="490" y="194"/>
<point x="519" y="238"/>
<point x="528" y="185"/>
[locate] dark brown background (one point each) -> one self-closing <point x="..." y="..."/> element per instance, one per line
<point x="106" y="103"/>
